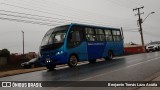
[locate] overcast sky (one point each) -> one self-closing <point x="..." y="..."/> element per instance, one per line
<point x="51" y="13"/>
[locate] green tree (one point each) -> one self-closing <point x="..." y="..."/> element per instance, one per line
<point x="4" y="53"/>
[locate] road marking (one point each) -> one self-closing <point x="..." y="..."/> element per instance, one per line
<point x="154" y="59"/>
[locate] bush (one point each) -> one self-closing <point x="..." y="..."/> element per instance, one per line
<point x="4" y="53"/>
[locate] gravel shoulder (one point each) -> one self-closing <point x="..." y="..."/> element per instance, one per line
<point x="20" y="71"/>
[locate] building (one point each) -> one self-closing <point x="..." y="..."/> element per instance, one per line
<point x="31" y="55"/>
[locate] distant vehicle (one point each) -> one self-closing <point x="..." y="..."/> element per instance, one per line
<point x="35" y="62"/>
<point x="153" y="46"/>
<point x="72" y="43"/>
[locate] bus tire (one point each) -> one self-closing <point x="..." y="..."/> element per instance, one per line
<point x="73" y="61"/>
<point x="51" y="67"/>
<point x="158" y="48"/>
<point x="110" y="56"/>
<point x="92" y="61"/>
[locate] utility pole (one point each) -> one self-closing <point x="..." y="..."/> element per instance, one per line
<point x="23" y="42"/>
<point x="140" y="25"/>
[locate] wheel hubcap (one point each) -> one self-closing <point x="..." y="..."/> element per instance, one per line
<point x="73" y="60"/>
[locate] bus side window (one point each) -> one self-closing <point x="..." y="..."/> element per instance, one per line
<point x="100" y="35"/>
<point x="108" y="35"/>
<point x="117" y="35"/>
<point x="90" y="35"/>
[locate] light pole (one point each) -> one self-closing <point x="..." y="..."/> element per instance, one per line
<point x="141" y="29"/>
<point x="23" y="42"/>
<point x="148" y="16"/>
<point x="140" y="21"/>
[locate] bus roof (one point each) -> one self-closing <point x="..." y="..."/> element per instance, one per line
<point x="94" y="26"/>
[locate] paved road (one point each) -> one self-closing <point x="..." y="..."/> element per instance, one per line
<point x="137" y="67"/>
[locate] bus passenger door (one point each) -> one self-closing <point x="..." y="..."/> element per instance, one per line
<point x="76" y="44"/>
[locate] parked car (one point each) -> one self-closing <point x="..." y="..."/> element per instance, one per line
<point x="153" y="46"/>
<point x="32" y="63"/>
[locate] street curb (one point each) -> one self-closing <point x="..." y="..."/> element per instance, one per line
<point x="28" y="71"/>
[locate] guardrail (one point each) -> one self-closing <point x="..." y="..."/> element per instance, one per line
<point x="133" y="50"/>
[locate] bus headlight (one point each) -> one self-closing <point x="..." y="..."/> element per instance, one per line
<point x="48" y="60"/>
<point x="60" y="52"/>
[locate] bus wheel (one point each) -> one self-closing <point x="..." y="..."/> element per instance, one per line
<point x="51" y="67"/>
<point x="110" y="56"/>
<point x="73" y="60"/>
<point x="92" y="61"/>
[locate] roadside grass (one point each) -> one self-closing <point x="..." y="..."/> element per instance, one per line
<point x="19" y="71"/>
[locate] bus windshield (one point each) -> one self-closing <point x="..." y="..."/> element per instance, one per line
<point x="55" y="36"/>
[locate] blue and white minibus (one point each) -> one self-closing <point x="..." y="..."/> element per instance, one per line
<point x="73" y="43"/>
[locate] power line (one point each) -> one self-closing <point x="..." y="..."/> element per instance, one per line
<point x="61" y="20"/>
<point x="33" y="22"/>
<point x="29" y="18"/>
<point x="39" y="11"/>
<point x="52" y="13"/>
<point x="36" y="15"/>
<point x="148" y="9"/>
<point x="64" y="7"/>
<point x="77" y="10"/>
<point x="51" y="3"/>
<point x="31" y="9"/>
<point x="40" y="7"/>
<point x="151" y="34"/>
<point x="49" y="13"/>
<point x="26" y="1"/>
<point x="35" y="10"/>
<point x="130" y="31"/>
<point x="28" y="21"/>
<point x="48" y="20"/>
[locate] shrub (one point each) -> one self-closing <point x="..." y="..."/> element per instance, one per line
<point x="4" y="53"/>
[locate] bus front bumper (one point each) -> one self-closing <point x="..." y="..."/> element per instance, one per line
<point x="56" y="59"/>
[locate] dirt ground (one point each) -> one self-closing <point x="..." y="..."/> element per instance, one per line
<point x="19" y="71"/>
